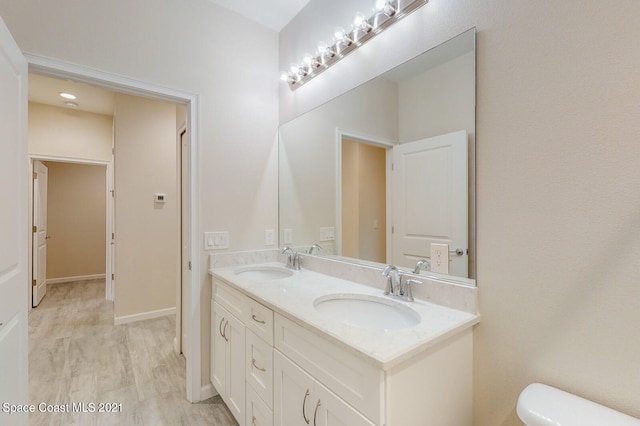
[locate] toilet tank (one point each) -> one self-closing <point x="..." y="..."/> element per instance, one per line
<point x="542" y="405"/>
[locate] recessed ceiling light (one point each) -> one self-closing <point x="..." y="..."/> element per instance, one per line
<point x="71" y="104"/>
<point x="68" y="95"/>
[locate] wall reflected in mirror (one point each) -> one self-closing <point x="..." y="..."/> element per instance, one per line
<point x="386" y="170"/>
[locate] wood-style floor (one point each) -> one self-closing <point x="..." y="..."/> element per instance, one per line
<point x="77" y="355"/>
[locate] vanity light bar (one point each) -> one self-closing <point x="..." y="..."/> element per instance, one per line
<point x="386" y="12"/>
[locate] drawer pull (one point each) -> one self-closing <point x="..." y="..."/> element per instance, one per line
<point x="253" y="362"/>
<point x="224" y="331"/>
<point x="315" y="413"/>
<point x="253" y="317"/>
<point x="304" y="401"/>
<point x="220" y="327"/>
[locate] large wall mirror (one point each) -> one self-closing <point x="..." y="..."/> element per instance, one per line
<point x="385" y="173"/>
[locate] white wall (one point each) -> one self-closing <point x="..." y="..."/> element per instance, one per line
<point x="557" y="177"/>
<point x="63" y="132"/>
<point x="196" y="47"/>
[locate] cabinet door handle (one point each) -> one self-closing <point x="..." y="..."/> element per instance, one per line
<point x="220" y="327"/>
<point x="315" y="413"/>
<point x="253" y="362"/>
<point x="224" y="331"/>
<point x="253" y="421"/>
<point x="304" y="401"/>
<point x="253" y="317"/>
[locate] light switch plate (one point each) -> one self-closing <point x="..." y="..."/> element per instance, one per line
<point x="216" y="240"/>
<point x="327" y="233"/>
<point x="287" y="236"/>
<point x="269" y="237"/>
<point x="440" y="258"/>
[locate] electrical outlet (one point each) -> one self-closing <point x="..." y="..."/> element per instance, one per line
<point x="440" y="258"/>
<point x="216" y="240"/>
<point x="287" y="236"/>
<point x="328" y="233"/>
<point x="269" y="237"/>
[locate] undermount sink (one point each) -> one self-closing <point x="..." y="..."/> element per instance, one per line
<point x="367" y="311"/>
<point x="262" y="273"/>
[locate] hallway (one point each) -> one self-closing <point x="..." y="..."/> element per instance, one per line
<point x="77" y="355"/>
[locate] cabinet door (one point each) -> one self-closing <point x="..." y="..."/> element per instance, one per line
<point x="218" y="349"/>
<point x="293" y="402"/>
<point x="234" y="331"/>
<point x="331" y="410"/>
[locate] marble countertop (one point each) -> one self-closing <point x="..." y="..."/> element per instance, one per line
<point x="293" y="297"/>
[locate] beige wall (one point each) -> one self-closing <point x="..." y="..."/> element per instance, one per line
<point x="76" y="220"/>
<point x="557" y="184"/>
<point x="64" y="132"/>
<point x="147" y="245"/>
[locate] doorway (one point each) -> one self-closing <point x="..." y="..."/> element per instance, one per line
<point x="71" y="223"/>
<point x="120" y="84"/>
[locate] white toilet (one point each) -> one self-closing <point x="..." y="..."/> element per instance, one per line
<point x="542" y="405"/>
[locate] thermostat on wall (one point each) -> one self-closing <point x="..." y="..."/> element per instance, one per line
<point x="160" y="198"/>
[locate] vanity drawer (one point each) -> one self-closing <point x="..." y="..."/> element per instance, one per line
<point x="259" y="319"/>
<point x="352" y="379"/>
<point x="259" y="366"/>
<point x="258" y="414"/>
<point x="230" y="298"/>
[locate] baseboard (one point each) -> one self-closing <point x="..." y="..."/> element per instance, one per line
<point x="207" y="391"/>
<point x="144" y="316"/>
<point x="76" y="278"/>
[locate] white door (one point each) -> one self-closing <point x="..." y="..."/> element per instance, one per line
<point x="430" y="200"/>
<point x="40" y="237"/>
<point x="14" y="214"/>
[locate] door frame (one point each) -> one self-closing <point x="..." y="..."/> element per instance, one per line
<point x="60" y="69"/>
<point x="379" y="142"/>
<point x="109" y="294"/>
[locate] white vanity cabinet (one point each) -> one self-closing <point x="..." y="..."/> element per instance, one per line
<point x="302" y="400"/>
<point x="275" y="368"/>
<point x="242" y="355"/>
<point x="228" y="359"/>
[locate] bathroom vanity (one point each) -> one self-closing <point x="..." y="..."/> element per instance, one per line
<point x="304" y="348"/>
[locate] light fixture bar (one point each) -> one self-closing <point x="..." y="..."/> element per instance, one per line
<point x="386" y="13"/>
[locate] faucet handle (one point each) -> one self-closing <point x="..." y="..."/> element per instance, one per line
<point x="408" y="293"/>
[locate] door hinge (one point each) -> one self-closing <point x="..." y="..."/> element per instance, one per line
<point x="393" y="166"/>
<point x="33" y="283"/>
<point x="35" y="175"/>
<point x="34" y="229"/>
<point x="113" y="277"/>
<point x="113" y="192"/>
<point x="113" y="236"/>
<point x="393" y="230"/>
<point x="189" y="265"/>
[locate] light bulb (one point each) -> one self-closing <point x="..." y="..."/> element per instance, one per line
<point x="294" y="69"/>
<point x="68" y="95"/>
<point x="361" y="23"/>
<point x="386" y="7"/>
<point x="284" y="76"/>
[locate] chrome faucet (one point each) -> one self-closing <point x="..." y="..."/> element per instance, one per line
<point x="422" y="263"/>
<point x="314" y="247"/>
<point x="408" y="292"/>
<point x="291" y="255"/>
<point x="394" y="280"/>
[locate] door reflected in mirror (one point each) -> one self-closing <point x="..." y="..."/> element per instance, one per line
<point x="385" y="173"/>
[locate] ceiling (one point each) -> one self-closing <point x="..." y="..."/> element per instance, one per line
<point x="274" y="14"/>
<point x="46" y="90"/>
